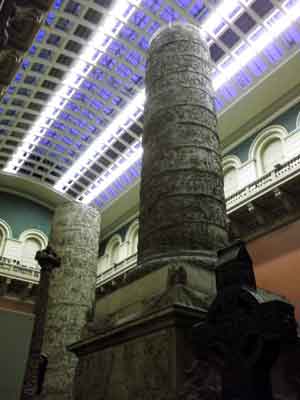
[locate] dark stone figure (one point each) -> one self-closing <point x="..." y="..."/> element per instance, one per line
<point x="41" y="372"/>
<point x="22" y="27"/>
<point x="7" y="12"/>
<point x="37" y="362"/>
<point x="245" y="330"/>
<point x="19" y="22"/>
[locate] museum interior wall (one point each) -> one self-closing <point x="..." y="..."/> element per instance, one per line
<point x="24" y="228"/>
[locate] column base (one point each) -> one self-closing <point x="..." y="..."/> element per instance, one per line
<point x="139" y="345"/>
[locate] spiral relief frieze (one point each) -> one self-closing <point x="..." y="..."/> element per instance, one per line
<point x="182" y="197"/>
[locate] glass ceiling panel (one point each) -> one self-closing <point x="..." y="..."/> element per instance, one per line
<point x="73" y="115"/>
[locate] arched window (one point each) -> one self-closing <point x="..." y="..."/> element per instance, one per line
<point x="231" y="169"/>
<point x="32" y="240"/>
<point x="114" y="253"/>
<point x="298" y="121"/>
<point x="132" y="238"/>
<point x="230" y="181"/>
<point x="5" y="233"/>
<point x="271" y="154"/>
<point x="135" y="241"/>
<point x="29" y="249"/>
<point x="268" y="149"/>
<point x="2" y="240"/>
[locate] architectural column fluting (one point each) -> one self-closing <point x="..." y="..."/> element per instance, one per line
<point x="182" y="205"/>
<point x="75" y="238"/>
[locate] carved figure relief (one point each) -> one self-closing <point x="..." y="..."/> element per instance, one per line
<point x="22" y="27"/>
<point x="9" y="60"/>
<point x="19" y="22"/>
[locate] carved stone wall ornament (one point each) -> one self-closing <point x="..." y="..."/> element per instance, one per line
<point x="23" y="27"/>
<point x="7" y="11"/>
<point x="9" y="61"/>
<point x="19" y="22"/>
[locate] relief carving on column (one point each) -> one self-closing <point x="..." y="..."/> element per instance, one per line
<point x="9" y="61"/>
<point x="19" y="22"/>
<point x="182" y="205"/>
<point x="23" y="27"/>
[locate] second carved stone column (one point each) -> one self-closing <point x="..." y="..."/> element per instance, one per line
<point x="182" y="207"/>
<point x="74" y="237"/>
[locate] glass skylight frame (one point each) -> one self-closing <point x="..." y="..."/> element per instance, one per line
<point x="66" y="176"/>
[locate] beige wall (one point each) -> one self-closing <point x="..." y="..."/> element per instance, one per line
<point x="276" y="259"/>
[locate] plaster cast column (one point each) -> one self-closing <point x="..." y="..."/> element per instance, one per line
<point x="182" y="206"/>
<point x="75" y="238"/>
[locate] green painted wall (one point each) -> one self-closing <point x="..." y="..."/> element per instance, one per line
<point x="287" y="119"/>
<point x="15" y="334"/>
<point x="22" y="214"/>
<point x="242" y="150"/>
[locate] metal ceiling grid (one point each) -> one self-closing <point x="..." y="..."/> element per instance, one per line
<point x="89" y="98"/>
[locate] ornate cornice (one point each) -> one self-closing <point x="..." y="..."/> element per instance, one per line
<point x="19" y="22"/>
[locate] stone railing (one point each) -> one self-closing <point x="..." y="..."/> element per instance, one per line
<point x="267" y="182"/>
<point x="117" y="269"/>
<point x="13" y="269"/>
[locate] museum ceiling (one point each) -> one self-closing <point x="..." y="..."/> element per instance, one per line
<point x="72" y="80"/>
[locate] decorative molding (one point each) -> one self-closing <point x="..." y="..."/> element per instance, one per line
<point x="130" y="236"/>
<point x="264" y="137"/>
<point x="6" y="228"/>
<point x="298" y="122"/>
<point x="230" y="161"/>
<point x="35" y="234"/>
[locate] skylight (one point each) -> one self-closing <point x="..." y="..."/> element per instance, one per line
<point x="73" y="115"/>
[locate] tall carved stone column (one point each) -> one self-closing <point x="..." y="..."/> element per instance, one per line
<point x="74" y="237"/>
<point x="140" y="339"/>
<point x="182" y="206"/>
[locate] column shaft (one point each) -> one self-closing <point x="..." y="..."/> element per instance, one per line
<point x="74" y="237"/>
<point x="182" y="206"/>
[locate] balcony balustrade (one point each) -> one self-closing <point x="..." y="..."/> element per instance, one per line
<point x="266" y="183"/>
<point x="117" y="269"/>
<point x="13" y="269"/>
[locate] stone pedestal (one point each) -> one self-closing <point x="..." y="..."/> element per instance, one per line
<point x="182" y="206"/>
<point x="139" y="346"/>
<point x="75" y="238"/>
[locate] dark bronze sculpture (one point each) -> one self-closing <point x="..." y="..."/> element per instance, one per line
<point x="37" y="362"/>
<point x="244" y="330"/>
